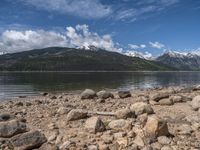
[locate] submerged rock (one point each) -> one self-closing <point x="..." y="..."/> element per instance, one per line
<point x="88" y="94"/>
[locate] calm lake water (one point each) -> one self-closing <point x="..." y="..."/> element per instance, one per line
<point x="13" y="84"/>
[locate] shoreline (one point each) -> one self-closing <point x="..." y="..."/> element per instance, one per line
<point x="108" y="119"/>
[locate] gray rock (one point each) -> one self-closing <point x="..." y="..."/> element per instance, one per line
<point x="164" y="140"/>
<point x="158" y="96"/>
<point x="177" y="99"/>
<point x="124" y="114"/>
<point x="195" y="103"/>
<point x="5" y="117"/>
<point x="120" y="124"/>
<point x="94" y="125"/>
<point x="141" y="108"/>
<point x="166" y="101"/>
<point x="88" y="94"/>
<point x="11" y="128"/>
<point x="28" y="140"/>
<point x="104" y="94"/>
<point x="63" y="110"/>
<point x="76" y="114"/>
<point x="124" y="94"/>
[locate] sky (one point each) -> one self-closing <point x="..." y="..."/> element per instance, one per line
<point x="147" y="26"/>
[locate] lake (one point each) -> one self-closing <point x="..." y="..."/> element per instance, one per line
<point x="13" y="84"/>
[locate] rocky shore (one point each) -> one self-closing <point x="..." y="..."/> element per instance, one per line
<point x="151" y="119"/>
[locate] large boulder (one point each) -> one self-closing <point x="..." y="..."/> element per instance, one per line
<point x="158" y="96"/>
<point x="28" y="140"/>
<point x="124" y="114"/>
<point x="11" y="128"/>
<point x="156" y="127"/>
<point x="141" y="107"/>
<point x="94" y="125"/>
<point x="76" y="114"/>
<point x="124" y="94"/>
<point x="195" y="103"/>
<point x="120" y="124"/>
<point x="88" y="94"/>
<point x="104" y="94"/>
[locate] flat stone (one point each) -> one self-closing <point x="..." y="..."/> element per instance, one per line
<point x="158" y="96"/>
<point x="166" y="101"/>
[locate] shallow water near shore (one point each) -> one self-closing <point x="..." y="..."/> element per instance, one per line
<point x="14" y="84"/>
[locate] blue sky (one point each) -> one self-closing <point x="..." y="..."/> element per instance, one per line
<point x="147" y="26"/>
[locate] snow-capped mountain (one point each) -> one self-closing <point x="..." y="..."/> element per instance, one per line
<point x="182" y="61"/>
<point x="145" y="55"/>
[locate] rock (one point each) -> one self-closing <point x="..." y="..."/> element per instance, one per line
<point x="11" y="128"/>
<point x="5" y="117"/>
<point x="120" y="124"/>
<point x="88" y="94"/>
<point x="164" y="140"/>
<point x="156" y="127"/>
<point x="158" y="96"/>
<point x="92" y="147"/>
<point x="124" y="94"/>
<point x="28" y="140"/>
<point x="177" y="99"/>
<point x="123" y="141"/>
<point x="19" y="104"/>
<point x="156" y="146"/>
<point x="141" y="107"/>
<point x="53" y="97"/>
<point x="139" y="141"/>
<point x="196" y="88"/>
<point x="166" y="148"/>
<point x="124" y="114"/>
<point x="48" y="146"/>
<point x="63" y="110"/>
<point x="76" y="114"/>
<point x="183" y="129"/>
<point x="166" y="101"/>
<point x="195" y="103"/>
<point x="104" y="94"/>
<point x="45" y="94"/>
<point x="107" y="138"/>
<point x="94" y="124"/>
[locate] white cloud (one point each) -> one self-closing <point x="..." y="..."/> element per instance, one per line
<point x="82" y="8"/>
<point x="78" y="36"/>
<point x="81" y="36"/>
<point x="135" y="11"/>
<point x="133" y="46"/>
<point x="156" y="45"/>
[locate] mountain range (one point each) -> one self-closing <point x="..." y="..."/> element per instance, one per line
<point x="96" y="59"/>
<point x="72" y="59"/>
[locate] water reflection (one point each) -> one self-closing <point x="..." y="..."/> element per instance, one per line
<point x="29" y="83"/>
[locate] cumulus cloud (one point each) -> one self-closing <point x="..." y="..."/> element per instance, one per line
<point x="156" y="45"/>
<point x="133" y="46"/>
<point x="82" y="8"/>
<point x="78" y="36"/>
